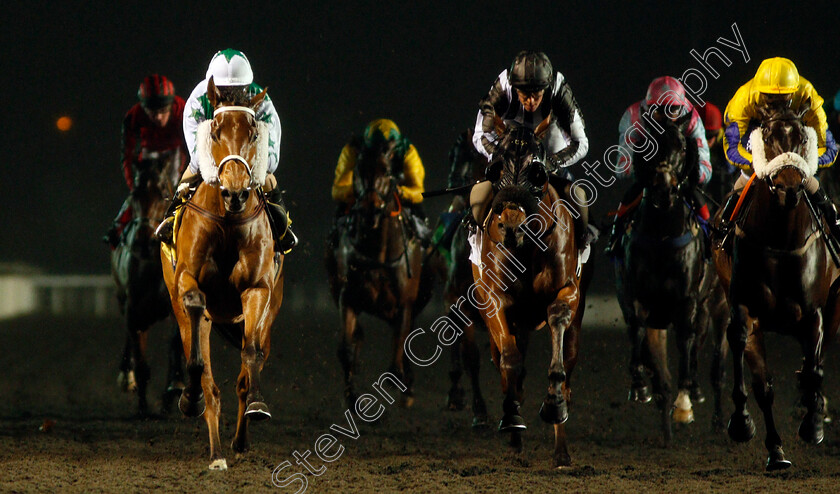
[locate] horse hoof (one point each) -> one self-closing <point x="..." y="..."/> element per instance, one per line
<point x="191" y="408"/>
<point x="239" y="446"/>
<point x="257" y="411"/>
<point x="512" y="423"/>
<point x="456" y="401"/>
<point x="696" y="395"/>
<point x="562" y="461"/>
<point x="480" y="422"/>
<point x="776" y="460"/>
<point x="812" y="430"/>
<point x="406" y="401"/>
<point x="552" y="412"/>
<point x="683" y="416"/>
<point x="218" y="465"/>
<point x="741" y="427"/>
<point x="640" y="394"/>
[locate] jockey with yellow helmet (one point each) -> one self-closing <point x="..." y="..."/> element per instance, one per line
<point x="233" y="77"/>
<point x="777" y="84"/>
<point x="408" y="168"/>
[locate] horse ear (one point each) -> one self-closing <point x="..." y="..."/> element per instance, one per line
<point x="257" y="100"/>
<point x="213" y="94"/>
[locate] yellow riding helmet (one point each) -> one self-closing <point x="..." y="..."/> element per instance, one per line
<point x="381" y="129"/>
<point x="777" y="76"/>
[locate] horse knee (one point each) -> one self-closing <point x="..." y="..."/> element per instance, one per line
<point x="194" y="301"/>
<point x="559" y="314"/>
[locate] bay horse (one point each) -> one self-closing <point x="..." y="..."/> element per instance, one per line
<point x="780" y="278"/>
<point x="663" y="281"/>
<point x="377" y="267"/>
<point x="527" y="273"/>
<point x="225" y="274"/>
<point x="141" y="292"/>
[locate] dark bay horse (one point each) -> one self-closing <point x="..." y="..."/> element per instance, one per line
<point x="663" y="281"/>
<point x="529" y="274"/>
<point x="226" y="275"/>
<point x="377" y="267"/>
<point x="141" y="292"/>
<point x="780" y="278"/>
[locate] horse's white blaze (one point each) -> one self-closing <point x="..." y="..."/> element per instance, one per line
<point x="220" y="464"/>
<point x="683" y="412"/>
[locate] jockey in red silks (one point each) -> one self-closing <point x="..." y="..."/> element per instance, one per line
<point x="150" y="130"/>
<point x="665" y="99"/>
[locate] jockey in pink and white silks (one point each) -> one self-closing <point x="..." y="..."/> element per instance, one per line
<point x="232" y="75"/>
<point x="665" y="99"/>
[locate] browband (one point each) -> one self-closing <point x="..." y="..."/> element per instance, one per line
<point x="223" y="109"/>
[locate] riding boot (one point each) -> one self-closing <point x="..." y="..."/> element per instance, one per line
<point x="613" y="248"/>
<point x="165" y="230"/>
<point x="112" y="236"/>
<point x="826" y="208"/>
<point x="285" y="238"/>
<point x="726" y="223"/>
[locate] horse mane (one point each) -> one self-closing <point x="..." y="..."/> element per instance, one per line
<point x="517" y="195"/>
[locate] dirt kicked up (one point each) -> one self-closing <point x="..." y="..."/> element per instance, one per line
<point x="60" y="375"/>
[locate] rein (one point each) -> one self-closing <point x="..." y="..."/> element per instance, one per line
<point x="227" y="220"/>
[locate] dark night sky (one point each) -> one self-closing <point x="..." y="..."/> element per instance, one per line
<point x="329" y="71"/>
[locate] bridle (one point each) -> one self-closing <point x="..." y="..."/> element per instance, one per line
<point x="236" y="157"/>
<point x="252" y="184"/>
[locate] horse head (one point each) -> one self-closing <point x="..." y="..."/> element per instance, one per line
<point x="782" y="148"/>
<point x="517" y="170"/>
<point x="670" y="169"/>
<point x="148" y="198"/>
<point x="374" y="183"/>
<point x="234" y="144"/>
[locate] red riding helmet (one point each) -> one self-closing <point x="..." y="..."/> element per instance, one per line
<point x="711" y="116"/>
<point x="156" y="92"/>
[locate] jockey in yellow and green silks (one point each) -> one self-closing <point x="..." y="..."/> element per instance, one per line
<point x="406" y="159"/>
<point x="777" y="83"/>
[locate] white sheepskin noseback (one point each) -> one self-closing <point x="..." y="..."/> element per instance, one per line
<point x="807" y="162"/>
<point x="259" y="167"/>
<point x="206" y="163"/>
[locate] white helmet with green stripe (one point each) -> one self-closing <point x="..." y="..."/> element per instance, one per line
<point x="230" y="67"/>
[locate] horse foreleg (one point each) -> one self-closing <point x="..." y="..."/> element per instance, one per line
<point x="554" y="409"/>
<point x="256" y="333"/>
<point x="741" y="427"/>
<point x="455" y="400"/>
<point x="811" y="429"/>
<point x="192" y="399"/>
<point x="720" y="320"/>
<point x="686" y="346"/>
<point x="400" y="365"/>
<point x="175" y="376"/>
<point x="348" y="348"/>
<point x="126" y="379"/>
<point x="657" y="352"/>
<point x="639" y="391"/>
<point x="762" y="386"/>
<point x="472" y="360"/>
<point x="212" y="400"/>
<point x="142" y="371"/>
<point x="508" y="360"/>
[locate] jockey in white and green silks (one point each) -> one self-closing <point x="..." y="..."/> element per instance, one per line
<point x="231" y="71"/>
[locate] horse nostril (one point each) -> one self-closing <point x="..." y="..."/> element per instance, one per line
<point x="245" y="194"/>
<point x="225" y="193"/>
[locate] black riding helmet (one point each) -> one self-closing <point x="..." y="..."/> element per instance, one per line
<point x="531" y="71"/>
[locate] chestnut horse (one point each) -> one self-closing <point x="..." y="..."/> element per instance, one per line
<point x="377" y="268"/>
<point x="528" y="272"/>
<point x="226" y="275"/>
<point x="663" y="281"/>
<point x="135" y="267"/>
<point x="780" y="278"/>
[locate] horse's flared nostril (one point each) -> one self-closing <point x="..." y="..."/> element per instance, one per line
<point x="244" y="195"/>
<point x="225" y="193"/>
